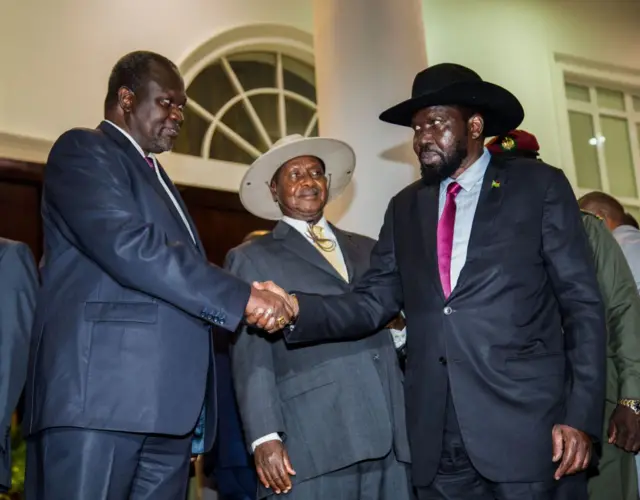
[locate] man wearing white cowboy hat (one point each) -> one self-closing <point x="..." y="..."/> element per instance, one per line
<point x="506" y="340"/>
<point x="323" y="420"/>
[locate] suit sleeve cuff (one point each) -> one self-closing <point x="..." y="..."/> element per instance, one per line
<point x="274" y="436"/>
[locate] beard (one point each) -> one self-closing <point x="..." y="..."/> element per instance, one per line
<point x="434" y="174"/>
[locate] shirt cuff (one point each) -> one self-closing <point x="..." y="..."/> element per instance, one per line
<point x="274" y="436"/>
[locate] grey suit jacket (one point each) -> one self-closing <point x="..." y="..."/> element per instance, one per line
<point x="121" y="338"/>
<point x="335" y="403"/>
<point x="18" y="288"/>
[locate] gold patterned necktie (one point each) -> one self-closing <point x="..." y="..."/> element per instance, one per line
<point x="328" y="250"/>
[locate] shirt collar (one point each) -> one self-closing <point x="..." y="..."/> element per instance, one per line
<point x="474" y="174"/>
<point x="301" y="226"/>
<point x="131" y="139"/>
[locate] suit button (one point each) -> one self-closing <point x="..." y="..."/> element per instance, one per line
<point x="376" y="357"/>
<point x="442" y="360"/>
<point x="447" y="311"/>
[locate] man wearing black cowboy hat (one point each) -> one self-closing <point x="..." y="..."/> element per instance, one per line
<point x="505" y="372"/>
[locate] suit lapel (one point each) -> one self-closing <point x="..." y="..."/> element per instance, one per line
<point x="299" y="245"/>
<point x="183" y="207"/>
<point x="427" y="214"/>
<point x="151" y="177"/>
<point x="491" y="196"/>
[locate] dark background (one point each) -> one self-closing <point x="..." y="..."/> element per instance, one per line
<point x="219" y="216"/>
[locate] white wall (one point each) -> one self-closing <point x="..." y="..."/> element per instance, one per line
<point x="55" y="55"/>
<point x="512" y="43"/>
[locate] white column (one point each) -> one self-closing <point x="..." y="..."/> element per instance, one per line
<point x="367" y="54"/>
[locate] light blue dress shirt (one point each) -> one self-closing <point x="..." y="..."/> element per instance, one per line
<point x="628" y="237"/>
<point x="466" y="203"/>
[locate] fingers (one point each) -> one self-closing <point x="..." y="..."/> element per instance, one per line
<point x="282" y="477"/>
<point x="570" y="448"/>
<point x="622" y="439"/>
<point x="612" y="432"/>
<point x="262" y="477"/>
<point x="269" y="476"/>
<point x="574" y="447"/>
<point x="287" y="464"/>
<point x="558" y="442"/>
<point x="581" y="457"/>
<point x="587" y="459"/>
<point x="270" y="286"/>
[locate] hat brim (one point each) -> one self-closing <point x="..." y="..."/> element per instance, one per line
<point x="338" y="157"/>
<point x="501" y="110"/>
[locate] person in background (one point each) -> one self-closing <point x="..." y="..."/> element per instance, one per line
<point x="324" y="421"/>
<point x="610" y="209"/>
<point x="617" y="476"/>
<point x="629" y="220"/>
<point x="228" y="467"/>
<point x="18" y="291"/>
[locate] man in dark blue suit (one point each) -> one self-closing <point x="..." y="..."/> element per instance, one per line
<point x="506" y="335"/>
<point x="121" y="373"/>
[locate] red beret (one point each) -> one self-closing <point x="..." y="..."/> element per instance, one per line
<point x="516" y="141"/>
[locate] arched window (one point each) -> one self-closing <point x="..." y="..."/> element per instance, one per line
<point x="246" y="96"/>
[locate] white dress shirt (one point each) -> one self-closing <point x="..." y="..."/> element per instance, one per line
<point x="628" y="237"/>
<point x="466" y="203"/>
<point x="303" y="227"/>
<point x="162" y="182"/>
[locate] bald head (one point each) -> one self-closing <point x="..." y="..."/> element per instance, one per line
<point x="605" y="206"/>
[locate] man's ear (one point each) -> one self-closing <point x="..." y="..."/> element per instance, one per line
<point x="126" y="99"/>
<point x="476" y="126"/>
<point x="274" y="191"/>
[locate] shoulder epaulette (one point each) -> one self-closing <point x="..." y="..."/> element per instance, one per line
<point x="586" y="212"/>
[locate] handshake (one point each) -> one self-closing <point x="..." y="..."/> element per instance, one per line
<point x="270" y="307"/>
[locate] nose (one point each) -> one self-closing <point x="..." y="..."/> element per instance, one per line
<point x="424" y="137"/>
<point x="177" y="114"/>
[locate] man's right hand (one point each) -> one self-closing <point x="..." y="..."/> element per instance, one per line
<point x="268" y="310"/>
<point x="273" y="466"/>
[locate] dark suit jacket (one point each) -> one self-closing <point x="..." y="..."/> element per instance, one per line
<point x="120" y="340"/>
<point x="18" y="288"/>
<point x="497" y="342"/>
<point x="336" y="403"/>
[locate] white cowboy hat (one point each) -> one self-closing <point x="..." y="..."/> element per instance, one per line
<point x="338" y="158"/>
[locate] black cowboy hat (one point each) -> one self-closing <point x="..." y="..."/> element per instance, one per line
<point x="454" y="85"/>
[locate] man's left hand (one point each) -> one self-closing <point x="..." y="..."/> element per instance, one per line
<point x="624" y="429"/>
<point x="573" y="447"/>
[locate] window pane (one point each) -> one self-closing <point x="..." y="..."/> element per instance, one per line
<point x="636" y="103"/>
<point x="617" y="151"/>
<point x="254" y="69"/>
<point x="189" y="142"/>
<point x="610" y="99"/>
<point x="584" y="153"/>
<point x="211" y="88"/>
<point x="266" y="105"/>
<point x="225" y="149"/>
<point x="577" y="92"/>
<point x="298" y="117"/>
<point x="299" y="78"/>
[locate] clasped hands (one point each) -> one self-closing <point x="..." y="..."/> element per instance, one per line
<point x="270" y="307"/>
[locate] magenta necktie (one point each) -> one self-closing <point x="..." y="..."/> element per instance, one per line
<point x="445" y="237"/>
<point x="150" y="162"/>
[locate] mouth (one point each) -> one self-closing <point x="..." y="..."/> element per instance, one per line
<point x="430" y="156"/>
<point x="171" y="132"/>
